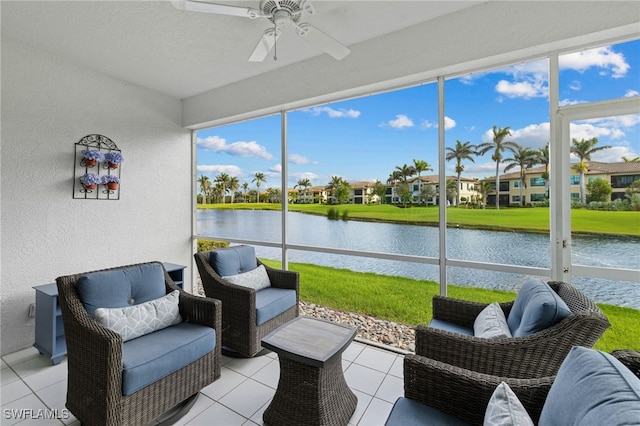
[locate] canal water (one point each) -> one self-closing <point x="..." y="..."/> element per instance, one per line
<point x="517" y="248"/>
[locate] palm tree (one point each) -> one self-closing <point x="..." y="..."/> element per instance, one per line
<point x="497" y="145"/>
<point x="406" y="171"/>
<point x="421" y="166"/>
<point x="218" y="192"/>
<point x="542" y="157"/>
<point x="245" y="187"/>
<point x="233" y="186"/>
<point x="333" y="186"/>
<point x="462" y="151"/>
<point x="485" y="188"/>
<point x="450" y="189"/>
<point x="224" y="180"/>
<point x="205" y="187"/>
<point x="395" y="177"/>
<point x="258" y="179"/>
<point x="273" y="195"/>
<point x="583" y="149"/>
<point x="304" y="184"/>
<point x="524" y="158"/>
<point x="631" y="160"/>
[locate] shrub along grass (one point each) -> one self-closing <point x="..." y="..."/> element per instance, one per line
<point x="408" y="301"/>
<point x="535" y="219"/>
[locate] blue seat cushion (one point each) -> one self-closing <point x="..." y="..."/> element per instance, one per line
<point x="449" y="326"/>
<point x="408" y="412"/>
<point x="592" y="388"/>
<point x="271" y="302"/>
<point x="153" y="356"/>
<point x="233" y="260"/>
<point x="536" y="307"/>
<point x="121" y="287"/>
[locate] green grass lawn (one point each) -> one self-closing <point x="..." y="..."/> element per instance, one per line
<point x="408" y="301"/>
<point x="535" y="219"/>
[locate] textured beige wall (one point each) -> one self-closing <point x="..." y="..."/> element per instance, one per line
<point x="48" y="106"/>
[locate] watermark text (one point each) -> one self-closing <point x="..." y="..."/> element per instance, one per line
<point x="37" y="414"/>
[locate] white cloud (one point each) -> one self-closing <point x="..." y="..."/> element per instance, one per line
<point x="533" y="136"/>
<point x="601" y="57"/>
<point x="575" y="85"/>
<point x="335" y="113"/>
<point x="612" y="155"/>
<point x="300" y="159"/>
<point x="449" y="123"/>
<point x="216" y="169"/>
<point x="566" y="102"/>
<point x="240" y="149"/>
<point x="530" y="79"/>
<point x="522" y="89"/>
<point x="624" y="121"/>
<point x="537" y="135"/>
<point x="400" y="122"/>
<point x="480" y="170"/>
<point x="589" y="130"/>
<point x="295" y="177"/>
<point x="631" y="93"/>
<point x="276" y="169"/>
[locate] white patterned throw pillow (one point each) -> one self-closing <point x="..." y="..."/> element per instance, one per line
<point x="256" y="278"/>
<point x="137" y="320"/>
<point x="505" y="409"/>
<point x="491" y="323"/>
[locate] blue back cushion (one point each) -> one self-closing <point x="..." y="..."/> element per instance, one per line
<point x="233" y="260"/>
<point x="121" y="287"/>
<point x="536" y="307"/>
<point x="592" y="388"/>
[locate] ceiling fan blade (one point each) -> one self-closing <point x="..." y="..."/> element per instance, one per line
<point x="307" y="7"/>
<point x="265" y="45"/>
<point x="323" y="41"/>
<point x="217" y="8"/>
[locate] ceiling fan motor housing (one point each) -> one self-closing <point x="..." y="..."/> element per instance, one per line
<point x="281" y="12"/>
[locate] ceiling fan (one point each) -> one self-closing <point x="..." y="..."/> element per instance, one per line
<point x="283" y="14"/>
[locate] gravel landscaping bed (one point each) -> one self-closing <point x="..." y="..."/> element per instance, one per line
<point x="368" y="328"/>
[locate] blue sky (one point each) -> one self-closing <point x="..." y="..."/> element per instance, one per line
<point x="364" y="139"/>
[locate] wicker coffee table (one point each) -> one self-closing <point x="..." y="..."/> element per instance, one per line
<point x="312" y="389"/>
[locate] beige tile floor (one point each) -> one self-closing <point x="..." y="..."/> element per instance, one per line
<point x="33" y="390"/>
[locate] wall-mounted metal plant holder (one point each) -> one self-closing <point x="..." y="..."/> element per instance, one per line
<point x="97" y="166"/>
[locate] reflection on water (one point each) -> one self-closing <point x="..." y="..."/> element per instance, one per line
<point x="468" y="244"/>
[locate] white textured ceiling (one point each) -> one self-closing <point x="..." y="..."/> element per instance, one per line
<point x="183" y="54"/>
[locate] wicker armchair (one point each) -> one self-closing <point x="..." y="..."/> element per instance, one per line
<point x="537" y="355"/>
<point x="240" y="331"/>
<point x="95" y="361"/>
<point x="465" y="394"/>
<point x="631" y="359"/>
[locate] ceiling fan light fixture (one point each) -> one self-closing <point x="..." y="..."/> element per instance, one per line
<point x="283" y="14"/>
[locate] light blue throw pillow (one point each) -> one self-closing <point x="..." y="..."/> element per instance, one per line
<point x="233" y="260"/>
<point x="592" y="388"/>
<point x="491" y="323"/>
<point x="536" y="307"/>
